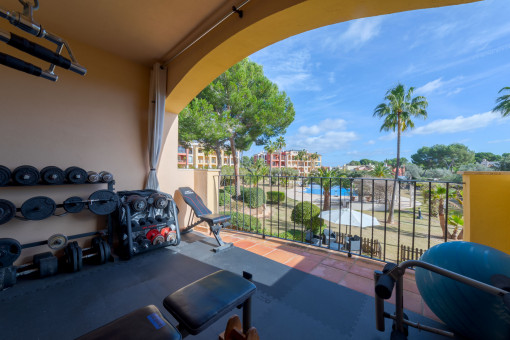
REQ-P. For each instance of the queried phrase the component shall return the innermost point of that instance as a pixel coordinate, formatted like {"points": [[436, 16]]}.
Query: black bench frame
{"points": [[215, 221]]}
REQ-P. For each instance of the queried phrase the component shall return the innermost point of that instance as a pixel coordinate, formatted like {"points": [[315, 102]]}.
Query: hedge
{"points": [[224, 198], [254, 197], [307, 214], [275, 196], [243, 221]]}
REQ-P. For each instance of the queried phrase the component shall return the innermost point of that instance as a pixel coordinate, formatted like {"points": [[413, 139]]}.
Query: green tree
{"points": [[413, 171], [354, 163], [393, 162], [480, 156], [438, 195], [503, 103], [397, 113], [380, 171], [326, 178], [366, 161], [270, 148], [439, 156], [245, 106]]}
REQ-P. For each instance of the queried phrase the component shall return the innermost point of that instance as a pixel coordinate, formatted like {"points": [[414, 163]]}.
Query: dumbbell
{"points": [[74, 254], [93, 177], [141, 243], [158, 201], [137, 203], [155, 237], [169, 233], [105, 177], [44, 264]]}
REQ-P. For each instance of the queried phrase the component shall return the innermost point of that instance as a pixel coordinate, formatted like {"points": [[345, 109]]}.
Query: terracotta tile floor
{"points": [[355, 273]]}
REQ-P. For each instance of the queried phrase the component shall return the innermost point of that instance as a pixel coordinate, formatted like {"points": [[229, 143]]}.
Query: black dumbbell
{"points": [[43, 265], [99, 252], [137, 203], [143, 242], [158, 201]]}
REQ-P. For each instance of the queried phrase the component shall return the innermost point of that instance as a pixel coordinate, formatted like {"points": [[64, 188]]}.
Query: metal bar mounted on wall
{"points": [[25, 22]]}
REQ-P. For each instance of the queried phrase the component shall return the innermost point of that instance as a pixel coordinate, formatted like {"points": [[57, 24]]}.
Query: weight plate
{"points": [[171, 237], [10, 250], [137, 203], [7, 211], [103, 202], [98, 250], [70, 257], [105, 176], [57, 241], [53, 175], [159, 201], [74, 204], [158, 240], [76, 175], [101, 256], [38, 208], [5, 175], [25, 175], [79, 255], [107, 252], [93, 177]]}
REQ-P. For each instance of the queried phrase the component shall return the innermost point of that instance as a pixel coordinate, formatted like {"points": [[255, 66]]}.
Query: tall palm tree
{"points": [[270, 148], [397, 114], [314, 157], [438, 195], [326, 178], [503, 103]]}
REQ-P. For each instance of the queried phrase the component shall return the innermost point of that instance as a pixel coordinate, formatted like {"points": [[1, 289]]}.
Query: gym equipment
{"points": [[57, 241], [38, 208], [480, 316], [10, 250], [73, 204], [195, 306], [215, 221], [103, 202], [25, 22], [155, 237], [483, 308], [234, 331], [76, 175], [5, 175], [52, 175], [158, 201], [43, 264], [7, 211], [25, 175], [105, 177], [137, 203], [93, 177], [169, 234], [99, 252]]}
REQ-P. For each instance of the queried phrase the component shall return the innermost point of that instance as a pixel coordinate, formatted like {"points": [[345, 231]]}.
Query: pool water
{"points": [[335, 191]]}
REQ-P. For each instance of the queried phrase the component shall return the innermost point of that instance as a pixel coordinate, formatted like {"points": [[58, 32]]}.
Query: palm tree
{"points": [[397, 114], [503, 103], [313, 157], [438, 196], [326, 178], [270, 148], [380, 171], [457, 221], [302, 156]]}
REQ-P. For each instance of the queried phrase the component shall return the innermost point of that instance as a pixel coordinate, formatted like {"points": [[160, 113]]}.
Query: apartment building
{"points": [[289, 159], [195, 157]]}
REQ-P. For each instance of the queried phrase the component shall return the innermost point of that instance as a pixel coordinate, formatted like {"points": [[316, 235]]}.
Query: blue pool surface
{"points": [[335, 191]]}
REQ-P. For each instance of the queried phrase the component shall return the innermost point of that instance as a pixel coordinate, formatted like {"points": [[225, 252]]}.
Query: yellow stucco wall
{"points": [[486, 207], [98, 122]]}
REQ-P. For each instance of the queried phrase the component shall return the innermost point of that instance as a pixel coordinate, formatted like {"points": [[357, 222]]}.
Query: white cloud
{"points": [[327, 135], [430, 87], [390, 136], [498, 141], [457, 124], [370, 142], [357, 34]]}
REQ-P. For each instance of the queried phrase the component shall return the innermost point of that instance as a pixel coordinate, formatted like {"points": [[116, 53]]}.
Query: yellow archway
{"points": [[265, 22]]}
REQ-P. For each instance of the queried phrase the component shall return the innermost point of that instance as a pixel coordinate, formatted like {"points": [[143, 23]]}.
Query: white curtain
{"points": [[156, 122]]}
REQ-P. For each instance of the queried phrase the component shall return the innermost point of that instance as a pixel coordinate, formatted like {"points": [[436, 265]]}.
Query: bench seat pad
{"points": [[204, 301], [215, 218], [143, 323]]}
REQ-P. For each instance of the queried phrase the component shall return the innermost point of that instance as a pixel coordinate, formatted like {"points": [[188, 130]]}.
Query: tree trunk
{"points": [[218, 157], [236, 167], [327, 195], [270, 164], [392, 203], [442, 221]]}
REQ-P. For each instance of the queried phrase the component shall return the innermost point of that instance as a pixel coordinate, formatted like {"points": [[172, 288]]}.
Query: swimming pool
{"points": [[335, 191]]}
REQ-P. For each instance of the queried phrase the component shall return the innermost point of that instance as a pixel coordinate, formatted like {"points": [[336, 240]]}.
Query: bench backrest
{"points": [[194, 201]]}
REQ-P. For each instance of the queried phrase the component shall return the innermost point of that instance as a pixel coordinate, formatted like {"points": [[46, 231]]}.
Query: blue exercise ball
{"points": [[466, 310]]}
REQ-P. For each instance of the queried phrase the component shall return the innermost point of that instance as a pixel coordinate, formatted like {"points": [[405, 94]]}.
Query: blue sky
{"points": [[458, 57]]}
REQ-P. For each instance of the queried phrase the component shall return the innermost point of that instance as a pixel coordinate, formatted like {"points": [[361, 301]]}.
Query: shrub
{"points": [[231, 190], [254, 197], [275, 196], [224, 198], [243, 221], [307, 214]]}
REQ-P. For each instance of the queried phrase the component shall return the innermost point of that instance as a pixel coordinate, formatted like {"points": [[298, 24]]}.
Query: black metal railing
{"points": [[349, 215]]}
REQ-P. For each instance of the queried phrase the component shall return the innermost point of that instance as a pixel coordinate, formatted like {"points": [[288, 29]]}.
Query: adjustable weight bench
{"points": [[215, 221], [195, 306]]}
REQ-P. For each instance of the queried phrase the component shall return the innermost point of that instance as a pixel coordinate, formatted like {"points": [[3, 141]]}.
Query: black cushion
{"points": [[204, 301], [215, 218], [143, 323]]}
